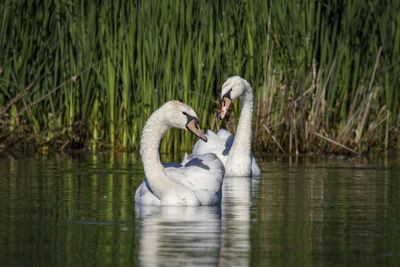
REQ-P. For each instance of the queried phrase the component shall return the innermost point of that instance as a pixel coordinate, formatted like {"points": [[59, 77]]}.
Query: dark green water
{"points": [[79, 210]]}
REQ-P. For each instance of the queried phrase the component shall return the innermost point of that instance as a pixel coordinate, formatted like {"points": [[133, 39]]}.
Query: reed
{"points": [[91, 73]]}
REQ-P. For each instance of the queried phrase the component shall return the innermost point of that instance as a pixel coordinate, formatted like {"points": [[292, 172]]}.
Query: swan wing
{"points": [[225, 134], [144, 195], [203, 174], [186, 159], [219, 144]]}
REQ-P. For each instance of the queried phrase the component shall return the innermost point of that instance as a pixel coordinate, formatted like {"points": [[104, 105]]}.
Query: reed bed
{"points": [[89, 73]]}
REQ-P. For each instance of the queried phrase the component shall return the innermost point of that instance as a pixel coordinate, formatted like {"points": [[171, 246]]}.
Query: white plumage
{"points": [[196, 182], [234, 151]]}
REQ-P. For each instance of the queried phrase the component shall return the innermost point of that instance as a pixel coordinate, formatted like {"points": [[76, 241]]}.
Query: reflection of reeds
{"points": [[316, 70], [76, 207]]}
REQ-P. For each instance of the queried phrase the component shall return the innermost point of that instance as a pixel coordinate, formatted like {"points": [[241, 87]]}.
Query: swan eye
{"points": [[190, 117], [227, 95]]}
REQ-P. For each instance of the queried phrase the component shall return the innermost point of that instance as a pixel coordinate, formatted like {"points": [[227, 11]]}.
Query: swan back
{"points": [[204, 174], [219, 144]]}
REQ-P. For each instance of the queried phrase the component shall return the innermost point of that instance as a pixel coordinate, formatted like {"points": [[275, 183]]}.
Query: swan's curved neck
{"points": [[242, 143], [155, 173]]}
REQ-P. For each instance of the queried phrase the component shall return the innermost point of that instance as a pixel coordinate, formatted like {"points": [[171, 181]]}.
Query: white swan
{"points": [[234, 152], [196, 183]]}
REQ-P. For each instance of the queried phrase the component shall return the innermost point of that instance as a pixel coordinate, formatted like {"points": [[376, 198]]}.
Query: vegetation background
{"points": [[89, 73]]}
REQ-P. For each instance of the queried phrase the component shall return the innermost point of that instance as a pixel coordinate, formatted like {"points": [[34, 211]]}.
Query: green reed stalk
{"points": [[309, 64]]}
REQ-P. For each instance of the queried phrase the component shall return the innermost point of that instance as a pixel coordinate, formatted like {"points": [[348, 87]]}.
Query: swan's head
{"points": [[232, 88], [182, 116]]}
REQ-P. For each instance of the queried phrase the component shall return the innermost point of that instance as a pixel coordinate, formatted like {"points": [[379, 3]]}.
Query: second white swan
{"points": [[234, 151]]}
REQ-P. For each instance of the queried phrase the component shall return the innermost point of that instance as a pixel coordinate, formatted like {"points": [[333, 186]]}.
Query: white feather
{"points": [[234, 152], [196, 182]]}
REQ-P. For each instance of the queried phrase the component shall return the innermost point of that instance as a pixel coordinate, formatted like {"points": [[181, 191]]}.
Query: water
{"points": [[79, 210]]}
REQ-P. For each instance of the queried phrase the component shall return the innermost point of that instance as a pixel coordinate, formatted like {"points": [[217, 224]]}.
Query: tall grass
{"points": [[324, 74], [331, 65]]}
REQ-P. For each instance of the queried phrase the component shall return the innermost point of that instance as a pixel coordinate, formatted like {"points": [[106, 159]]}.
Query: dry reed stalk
{"points": [[345, 128], [290, 119], [267, 77], [336, 143], [17, 98], [371, 96], [73, 78], [273, 138], [380, 118]]}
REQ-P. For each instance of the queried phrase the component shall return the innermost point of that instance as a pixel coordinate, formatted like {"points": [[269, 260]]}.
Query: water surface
{"points": [[79, 210]]}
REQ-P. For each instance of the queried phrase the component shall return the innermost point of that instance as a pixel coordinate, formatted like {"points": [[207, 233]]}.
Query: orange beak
{"points": [[226, 102], [193, 127]]}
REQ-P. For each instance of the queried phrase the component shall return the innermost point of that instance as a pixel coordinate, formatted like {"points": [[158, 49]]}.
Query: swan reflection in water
{"points": [[176, 236], [236, 220], [205, 235]]}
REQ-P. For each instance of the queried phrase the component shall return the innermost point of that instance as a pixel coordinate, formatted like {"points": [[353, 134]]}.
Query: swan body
{"points": [[197, 182], [220, 144], [234, 152]]}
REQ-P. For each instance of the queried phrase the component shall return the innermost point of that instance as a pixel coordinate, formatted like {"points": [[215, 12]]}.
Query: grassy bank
{"points": [[76, 74]]}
